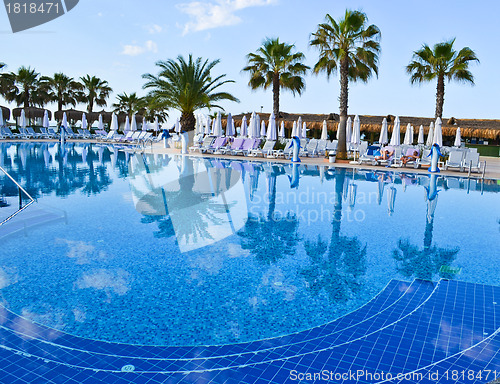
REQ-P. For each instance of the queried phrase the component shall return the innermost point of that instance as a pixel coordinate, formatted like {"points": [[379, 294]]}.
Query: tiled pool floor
{"points": [[433, 332]]}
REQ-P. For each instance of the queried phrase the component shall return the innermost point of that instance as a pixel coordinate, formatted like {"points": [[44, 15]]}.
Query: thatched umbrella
{"points": [[30, 113], [5, 113], [71, 114], [93, 116]]}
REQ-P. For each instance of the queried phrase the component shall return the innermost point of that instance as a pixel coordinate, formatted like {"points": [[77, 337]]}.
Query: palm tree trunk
{"points": [[344, 96], [276, 94], [439, 97], [188, 121], [26, 97]]}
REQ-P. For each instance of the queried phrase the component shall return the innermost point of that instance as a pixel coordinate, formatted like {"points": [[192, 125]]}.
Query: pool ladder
{"points": [[21, 190]]}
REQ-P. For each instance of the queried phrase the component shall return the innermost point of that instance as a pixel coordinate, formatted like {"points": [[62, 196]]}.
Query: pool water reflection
{"points": [[179, 250]]}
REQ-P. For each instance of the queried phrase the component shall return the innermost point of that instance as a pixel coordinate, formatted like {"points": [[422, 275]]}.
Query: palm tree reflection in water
{"points": [[189, 207], [426, 262], [336, 268], [269, 237]]}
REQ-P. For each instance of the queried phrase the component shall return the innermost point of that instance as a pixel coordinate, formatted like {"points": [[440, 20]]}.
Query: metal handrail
{"points": [[15, 182], [21, 208]]}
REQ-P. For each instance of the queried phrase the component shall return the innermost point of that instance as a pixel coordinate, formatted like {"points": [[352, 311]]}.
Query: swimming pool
{"points": [[171, 250]]}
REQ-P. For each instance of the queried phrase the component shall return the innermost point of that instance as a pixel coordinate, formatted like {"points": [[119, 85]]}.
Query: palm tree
{"points": [[274, 64], [187, 86], [351, 47], [62, 89], [154, 109], [441, 62], [22, 87], [129, 104], [95, 91]]}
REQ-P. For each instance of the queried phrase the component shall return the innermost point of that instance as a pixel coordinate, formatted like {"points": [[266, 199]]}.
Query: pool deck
{"points": [[492, 163]]}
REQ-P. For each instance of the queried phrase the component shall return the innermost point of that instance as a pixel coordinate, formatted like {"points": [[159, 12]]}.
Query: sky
{"points": [[119, 40]]}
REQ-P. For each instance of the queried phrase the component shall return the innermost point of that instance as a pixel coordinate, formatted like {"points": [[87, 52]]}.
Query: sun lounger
{"points": [[266, 150], [216, 145], [136, 136], [109, 136], [409, 152], [455, 160], [100, 134], [392, 160], [471, 162], [245, 147], [425, 158], [332, 146], [33, 134], [53, 133], [83, 134], [71, 134], [321, 148], [308, 148], [4, 134], [236, 145], [368, 156], [7, 132], [24, 134], [281, 152], [248, 146], [45, 134], [207, 141], [145, 137]]}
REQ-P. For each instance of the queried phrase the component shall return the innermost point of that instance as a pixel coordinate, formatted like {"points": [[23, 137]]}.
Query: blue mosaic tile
{"points": [[446, 327]]}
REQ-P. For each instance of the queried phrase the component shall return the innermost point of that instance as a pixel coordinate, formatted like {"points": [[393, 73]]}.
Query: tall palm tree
{"points": [[441, 62], [129, 104], [187, 86], [96, 91], [62, 89], [350, 46], [275, 64], [22, 87]]}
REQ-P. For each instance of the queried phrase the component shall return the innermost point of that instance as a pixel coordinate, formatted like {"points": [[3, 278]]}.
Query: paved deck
{"points": [[492, 163]]}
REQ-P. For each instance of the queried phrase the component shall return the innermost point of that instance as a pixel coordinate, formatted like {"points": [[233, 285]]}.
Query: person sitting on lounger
{"points": [[411, 156], [385, 154]]}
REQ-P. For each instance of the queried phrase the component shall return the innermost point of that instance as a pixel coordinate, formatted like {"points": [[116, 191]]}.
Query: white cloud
{"points": [[217, 13], [154, 29], [135, 50]]}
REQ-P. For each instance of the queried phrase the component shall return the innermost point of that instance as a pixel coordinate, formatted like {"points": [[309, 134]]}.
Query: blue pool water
{"points": [[192, 251]]}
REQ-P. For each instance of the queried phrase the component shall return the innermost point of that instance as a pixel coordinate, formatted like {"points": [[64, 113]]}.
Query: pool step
{"points": [[385, 299], [30, 218]]}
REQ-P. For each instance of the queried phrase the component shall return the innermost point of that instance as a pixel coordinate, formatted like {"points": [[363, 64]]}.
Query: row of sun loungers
{"points": [[251, 147], [403, 156], [458, 158], [136, 137]]}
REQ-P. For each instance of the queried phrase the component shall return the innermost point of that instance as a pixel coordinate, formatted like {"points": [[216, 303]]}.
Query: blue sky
{"points": [[119, 40]]}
